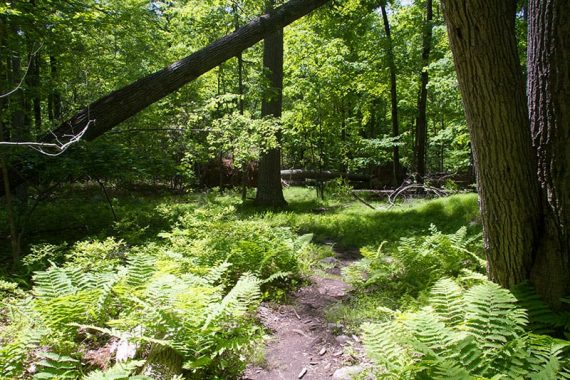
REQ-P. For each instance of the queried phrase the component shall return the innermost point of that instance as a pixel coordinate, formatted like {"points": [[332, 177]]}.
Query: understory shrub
{"points": [[417, 262], [174, 322], [205, 238], [181, 306], [475, 333]]}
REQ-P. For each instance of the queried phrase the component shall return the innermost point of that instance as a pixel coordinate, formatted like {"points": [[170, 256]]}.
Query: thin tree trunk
{"points": [[482, 38], [54, 99], [14, 238], [269, 189], [421, 121], [37, 94], [241, 104], [549, 110], [396, 169]]}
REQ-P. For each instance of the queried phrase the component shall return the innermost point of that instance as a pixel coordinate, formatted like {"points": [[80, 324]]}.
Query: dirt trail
{"points": [[303, 344]]}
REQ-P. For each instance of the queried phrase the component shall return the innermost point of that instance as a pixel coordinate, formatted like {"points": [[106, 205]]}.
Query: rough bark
{"points": [[120, 105], [269, 189], [421, 120], [397, 171], [549, 110], [482, 38]]}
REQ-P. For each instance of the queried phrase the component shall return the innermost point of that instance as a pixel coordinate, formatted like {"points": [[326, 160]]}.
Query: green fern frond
{"points": [[241, 298], [105, 283], [52, 283], [120, 371], [276, 276], [54, 366], [447, 300], [140, 269], [217, 273], [382, 344], [542, 318], [429, 334], [549, 356], [492, 316], [471, 276], [448, 369], [14, 354], [463, 349]]}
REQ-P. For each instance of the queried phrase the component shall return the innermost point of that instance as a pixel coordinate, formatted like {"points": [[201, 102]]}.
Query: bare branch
{"points": [[58, 147], [19, 86]]}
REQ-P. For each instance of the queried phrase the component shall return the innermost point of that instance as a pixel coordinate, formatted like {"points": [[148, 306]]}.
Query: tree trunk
{"points": [[421, 121], [482, 38], [54, 98], [269, 189], [549, 110], [397, 171], [121, 104], [37, 93]]}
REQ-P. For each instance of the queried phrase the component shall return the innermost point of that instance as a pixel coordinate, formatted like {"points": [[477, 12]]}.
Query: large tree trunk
{"points": [[482, 38], [397, 171], [549, 110], [269, 189], [119, 105], [421, 120]]}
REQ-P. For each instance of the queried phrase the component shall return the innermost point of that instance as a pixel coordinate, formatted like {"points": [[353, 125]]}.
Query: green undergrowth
{"points": [[469, 328], [175, 282]]}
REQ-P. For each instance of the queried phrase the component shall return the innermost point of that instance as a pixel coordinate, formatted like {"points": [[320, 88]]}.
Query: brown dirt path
{"points": [[303, 344]]}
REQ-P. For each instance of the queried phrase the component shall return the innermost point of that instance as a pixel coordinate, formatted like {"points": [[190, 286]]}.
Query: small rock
{"points": [[342, 339], [347, 373], [355, 338], [329, 261], [323, 351]]}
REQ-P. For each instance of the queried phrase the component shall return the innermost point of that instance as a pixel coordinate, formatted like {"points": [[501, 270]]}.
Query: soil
{"points": [[303, 345]]}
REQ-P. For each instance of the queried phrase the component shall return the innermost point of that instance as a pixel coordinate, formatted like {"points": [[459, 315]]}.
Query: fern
{"points": [[383, 344], [492, 316], [446, 299], [542, 318], [140, 269], [120, 371], [54, 366], [462, 335], [417, 263], [244, 295], [53, 283]]}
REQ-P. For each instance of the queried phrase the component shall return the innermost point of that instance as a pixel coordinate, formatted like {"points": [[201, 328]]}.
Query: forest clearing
{"points": [[284, 189]]}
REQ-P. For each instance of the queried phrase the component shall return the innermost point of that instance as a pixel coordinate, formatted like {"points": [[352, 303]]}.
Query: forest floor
{"points": [[303, 345]]}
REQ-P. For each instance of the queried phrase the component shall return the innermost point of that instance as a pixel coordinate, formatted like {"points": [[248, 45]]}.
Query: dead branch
{"points": [[405, 187], [57, 147], [19, 86]]}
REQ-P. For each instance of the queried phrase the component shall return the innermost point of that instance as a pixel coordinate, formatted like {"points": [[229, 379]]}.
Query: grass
{"points": [[196, 231], [82, 213], [354, 225]]}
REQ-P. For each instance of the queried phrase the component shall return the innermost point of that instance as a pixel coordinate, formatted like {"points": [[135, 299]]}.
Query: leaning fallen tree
{"points": [[116, 107]]}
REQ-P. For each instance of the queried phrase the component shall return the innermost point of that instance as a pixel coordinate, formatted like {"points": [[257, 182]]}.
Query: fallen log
{"points": [[301, 174]]}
